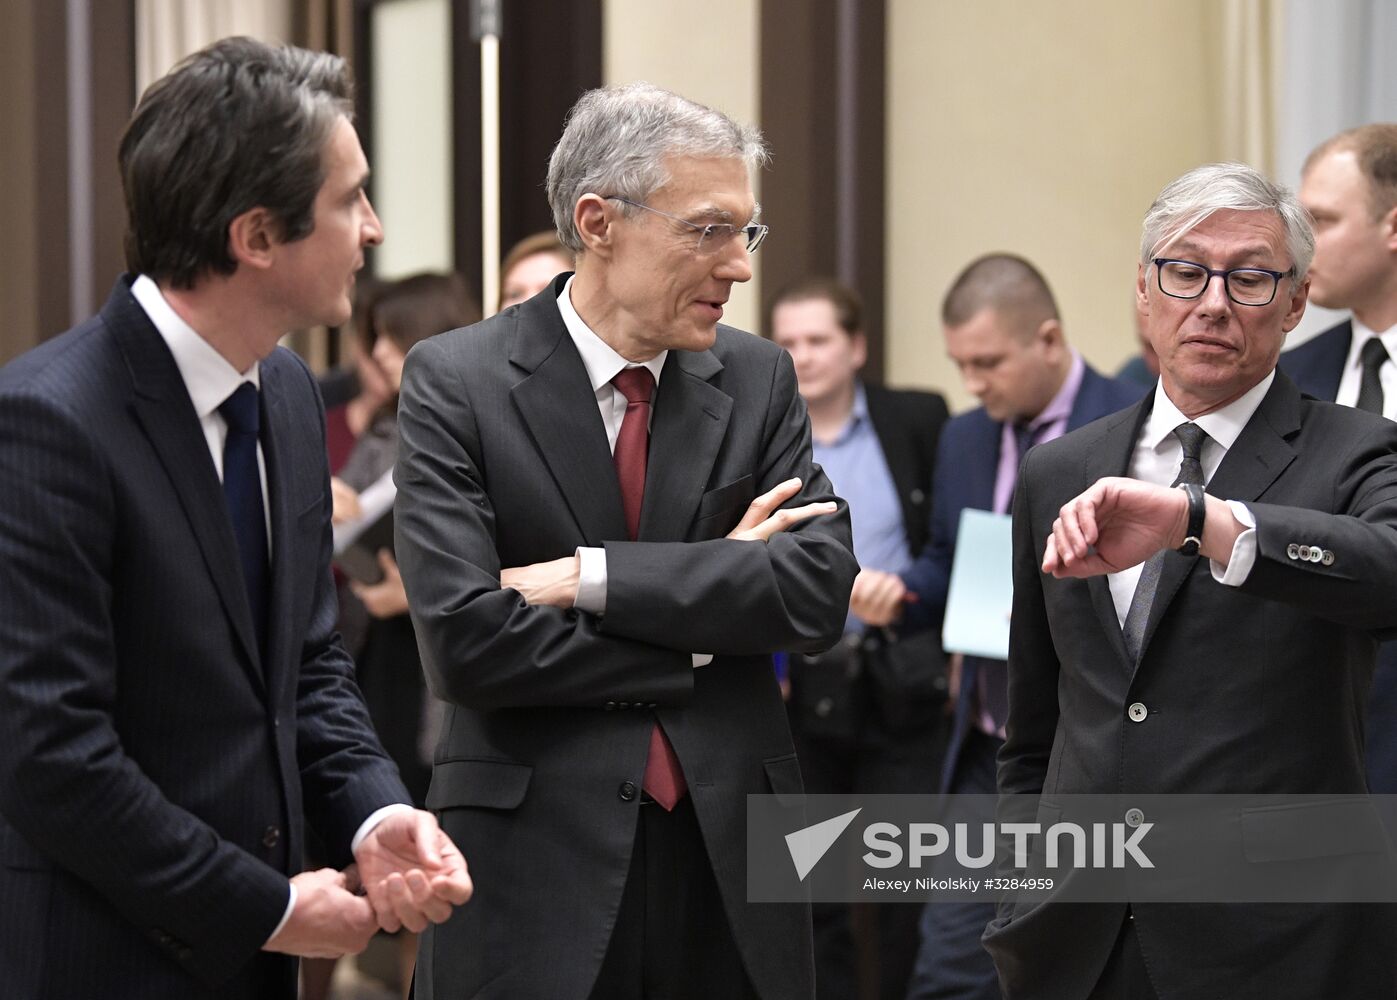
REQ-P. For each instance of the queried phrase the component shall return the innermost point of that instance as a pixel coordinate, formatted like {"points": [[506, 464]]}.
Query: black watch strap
{"points": [[1197, 511]]}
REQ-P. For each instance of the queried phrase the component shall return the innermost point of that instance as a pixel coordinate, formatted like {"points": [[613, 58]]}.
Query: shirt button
{"points": [[271, 837], [626, 791], [1137, 712], [1134, 817]]}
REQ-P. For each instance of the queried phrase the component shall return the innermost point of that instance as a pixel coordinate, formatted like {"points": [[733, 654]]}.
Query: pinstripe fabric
{"points": [[153, 768]]}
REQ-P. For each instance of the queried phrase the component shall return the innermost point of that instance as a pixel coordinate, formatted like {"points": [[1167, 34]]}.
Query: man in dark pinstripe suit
{"points": [[174, 699]]}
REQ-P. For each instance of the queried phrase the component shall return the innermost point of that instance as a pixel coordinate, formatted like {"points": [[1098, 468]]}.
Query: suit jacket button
{"points": [[917, 496], [1137, 712], [1316, 553], [1292, 551], [1304, 553], [626, 791], [623, 705], [1327, 558], [610, 706], [271, 837]]}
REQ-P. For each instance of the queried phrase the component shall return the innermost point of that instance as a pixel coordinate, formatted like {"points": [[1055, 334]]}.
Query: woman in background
{"points": [[530, 265]]}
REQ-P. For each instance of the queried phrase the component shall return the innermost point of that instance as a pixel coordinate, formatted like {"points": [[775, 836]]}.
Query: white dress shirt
{"points": [[1352, 377], [1156, 460], [603, 364], [210, 379]]}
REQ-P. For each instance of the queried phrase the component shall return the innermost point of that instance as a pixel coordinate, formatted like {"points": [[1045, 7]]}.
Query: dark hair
{"points": [[848, 305], [1004, 282], [238, 125], [1375, 148], [417, 307]]}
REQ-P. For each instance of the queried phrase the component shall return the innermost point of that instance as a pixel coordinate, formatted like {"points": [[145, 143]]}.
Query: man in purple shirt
{"points": [[1003, 332]]}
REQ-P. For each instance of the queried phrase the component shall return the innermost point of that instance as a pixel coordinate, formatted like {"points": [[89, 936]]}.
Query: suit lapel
{"points": [[556, 401], [1258, 456], [276, 438], [687, 428], [164, 411], [1109, 455]]}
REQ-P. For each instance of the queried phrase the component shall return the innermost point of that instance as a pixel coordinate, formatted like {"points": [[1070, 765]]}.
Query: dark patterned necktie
{"points": [[1191, 436], [242, 488], [1371, 358], [664, 778]]}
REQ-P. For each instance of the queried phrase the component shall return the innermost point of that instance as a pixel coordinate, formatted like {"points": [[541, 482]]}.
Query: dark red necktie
{"points": [[664, 779]]}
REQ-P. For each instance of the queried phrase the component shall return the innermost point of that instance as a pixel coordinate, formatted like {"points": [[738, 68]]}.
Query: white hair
{"points": [[616, 141], [1187, 201]]}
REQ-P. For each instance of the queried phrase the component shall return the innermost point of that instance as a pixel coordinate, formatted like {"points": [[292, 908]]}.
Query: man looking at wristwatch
{"points": [[1243, 672]]}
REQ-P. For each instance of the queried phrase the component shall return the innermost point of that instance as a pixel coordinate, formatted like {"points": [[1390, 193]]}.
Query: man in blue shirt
{"points": [[858, 728]]}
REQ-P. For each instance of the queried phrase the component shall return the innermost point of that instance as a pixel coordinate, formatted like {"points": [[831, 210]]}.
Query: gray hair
{"points": [[1187, 201], [616, 141]]}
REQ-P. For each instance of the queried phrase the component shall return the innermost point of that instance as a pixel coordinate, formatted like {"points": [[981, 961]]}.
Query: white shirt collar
{"points": [[601, 361], [1223, 425], [1362, 334], [207, 375]]}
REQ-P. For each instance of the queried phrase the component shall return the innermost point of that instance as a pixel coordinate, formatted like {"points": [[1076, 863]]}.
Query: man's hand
{"points": [[327, 921], [344, 501], [879, 597], [763, 520], [553, 583], [411, 871], [387, 598], [1115, 524]]}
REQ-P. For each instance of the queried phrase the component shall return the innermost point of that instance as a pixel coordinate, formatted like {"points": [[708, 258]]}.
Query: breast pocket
{"points": [[720, 509]]}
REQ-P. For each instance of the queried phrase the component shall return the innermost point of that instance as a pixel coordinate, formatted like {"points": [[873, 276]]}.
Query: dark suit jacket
{"points": [[1317, 366], [504, 462], [1251, 690], [154, 769], [965, 474]]}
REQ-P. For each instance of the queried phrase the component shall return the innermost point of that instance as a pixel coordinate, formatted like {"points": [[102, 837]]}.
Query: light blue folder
{"points": [[982, 587]]}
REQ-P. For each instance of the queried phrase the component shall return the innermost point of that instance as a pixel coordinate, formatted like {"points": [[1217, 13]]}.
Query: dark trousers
{"points": [[951, 963], [1125, 976], [672, 940], [876, 763]]}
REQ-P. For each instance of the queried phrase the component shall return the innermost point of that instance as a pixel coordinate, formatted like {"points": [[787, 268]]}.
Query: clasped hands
{"points": [[554, 582], [1118, 523], [407, 873]]}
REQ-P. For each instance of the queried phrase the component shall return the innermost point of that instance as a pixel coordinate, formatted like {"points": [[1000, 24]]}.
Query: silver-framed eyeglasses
{"points": [[1246, 286], [711, 237]]}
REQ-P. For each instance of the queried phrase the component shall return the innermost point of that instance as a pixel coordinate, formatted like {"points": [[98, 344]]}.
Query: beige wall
{"points": [[707, 52], [1042, 129]]}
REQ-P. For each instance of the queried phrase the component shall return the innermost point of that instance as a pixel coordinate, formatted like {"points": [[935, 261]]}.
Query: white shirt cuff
{"points": [[376, 817], [591, 580], [290, 905], [1238, 567], [702, 659]]}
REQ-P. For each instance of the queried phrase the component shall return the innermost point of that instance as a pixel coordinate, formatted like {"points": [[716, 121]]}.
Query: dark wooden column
{"points": [[549, 54], [69, 88], [823, 114]]}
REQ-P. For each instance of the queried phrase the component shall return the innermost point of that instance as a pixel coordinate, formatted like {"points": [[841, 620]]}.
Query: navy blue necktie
{"points": [[242, 487]]}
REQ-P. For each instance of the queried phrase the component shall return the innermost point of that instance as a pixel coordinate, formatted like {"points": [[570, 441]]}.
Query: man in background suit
{"points": [[1004, 333], [1349, 187], [1135, 666], [598, 594], [174, 693], [858, 728]]}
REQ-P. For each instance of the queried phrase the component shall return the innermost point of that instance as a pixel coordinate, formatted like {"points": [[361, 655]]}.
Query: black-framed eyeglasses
{"points": [[1246, 286], [712, 237]]}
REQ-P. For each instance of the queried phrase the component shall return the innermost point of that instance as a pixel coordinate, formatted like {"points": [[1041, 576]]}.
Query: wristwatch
{"points": [[1197, 511]]}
